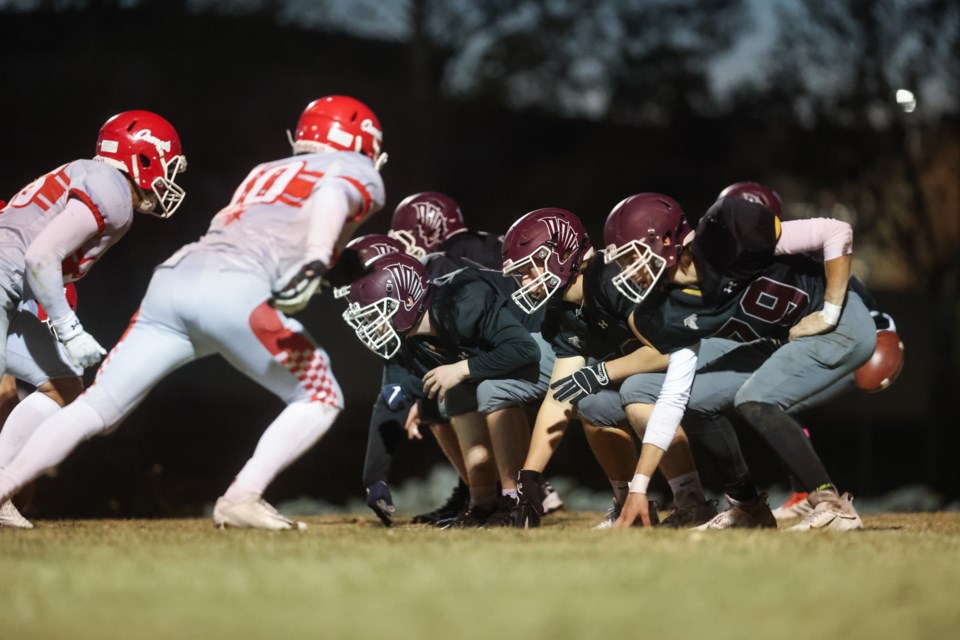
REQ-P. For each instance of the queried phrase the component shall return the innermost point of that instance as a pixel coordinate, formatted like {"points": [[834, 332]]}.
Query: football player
{"points": [[431, 227], [263, 257], [549, 253], [889, 350], [52, 232], [753, 284], [459, 336]]}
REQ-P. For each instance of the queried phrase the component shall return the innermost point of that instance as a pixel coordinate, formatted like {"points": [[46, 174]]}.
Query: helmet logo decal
{"points": [[431, 225], [407, 280], [565, 235], [147, 135], [367, 126]]}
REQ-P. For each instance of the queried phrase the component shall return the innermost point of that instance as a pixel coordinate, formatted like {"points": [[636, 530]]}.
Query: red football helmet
{"points": [[543, 251], [388, 302], [147, 148], [341, 123], [424, 220], [645, 235], [755, 192]]}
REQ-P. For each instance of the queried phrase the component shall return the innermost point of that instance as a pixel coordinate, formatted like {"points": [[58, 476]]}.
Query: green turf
{"points": [[346, 578]]}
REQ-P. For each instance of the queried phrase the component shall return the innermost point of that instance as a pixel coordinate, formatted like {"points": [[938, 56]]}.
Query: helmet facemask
{"points": [[540, 280], [165, 194], [409, 243], [641, 269], [373, 327]]}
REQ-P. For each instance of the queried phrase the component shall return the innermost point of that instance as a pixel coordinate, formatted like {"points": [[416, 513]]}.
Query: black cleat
{"points": [[505, 514], [473, 517], [445, 513], [530, 499], [380, 500]]}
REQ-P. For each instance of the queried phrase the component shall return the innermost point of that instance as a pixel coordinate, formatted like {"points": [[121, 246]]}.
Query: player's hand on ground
{"points": [[84, 350], [438, 381], [582, 383], [635, 509], [295, 295], [812, 325]]}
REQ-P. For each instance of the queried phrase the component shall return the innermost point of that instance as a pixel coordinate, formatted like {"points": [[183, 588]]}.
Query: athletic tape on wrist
{"points": [[639, 483], [831, 313]]}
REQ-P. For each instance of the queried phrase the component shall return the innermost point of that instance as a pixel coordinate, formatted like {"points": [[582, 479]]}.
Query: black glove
{"points": [[297, 292], [348, 269], [582, 383]]}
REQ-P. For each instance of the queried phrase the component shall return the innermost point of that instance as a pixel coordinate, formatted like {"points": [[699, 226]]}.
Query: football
{"points": [[884, 365]]}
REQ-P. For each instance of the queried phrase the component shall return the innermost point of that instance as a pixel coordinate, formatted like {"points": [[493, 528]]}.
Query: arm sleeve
{"points": [[329, 208], [833, 237], [64, 235], [672, 401]]}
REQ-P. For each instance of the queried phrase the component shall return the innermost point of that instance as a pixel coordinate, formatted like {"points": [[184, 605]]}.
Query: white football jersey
{"points": [[101, 187], [265, 225]]}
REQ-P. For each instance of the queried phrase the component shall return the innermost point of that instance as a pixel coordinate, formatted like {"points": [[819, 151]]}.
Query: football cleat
{"points": [[458, 501], [505, 514], [830, 512], [11, 517], [796, 506], [253, 513], [380, 500], [530, 496], [689, 510], [551, 499], [611, 516], [473, 517], [750, 514]]}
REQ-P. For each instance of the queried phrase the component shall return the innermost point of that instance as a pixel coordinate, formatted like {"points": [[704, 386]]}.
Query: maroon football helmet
{"points": [[755, 192], [424, 220], [543, 251], [645, 235], [374, 245], [388, 302]]}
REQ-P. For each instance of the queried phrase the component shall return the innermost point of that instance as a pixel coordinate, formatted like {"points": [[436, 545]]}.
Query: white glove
{"points": [[84, 350], [82, 347]]}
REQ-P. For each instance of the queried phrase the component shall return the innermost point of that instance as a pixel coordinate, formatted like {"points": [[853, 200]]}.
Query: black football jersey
{"points": [[479, 247], [472, 320], [745, 293], [597, 328]]}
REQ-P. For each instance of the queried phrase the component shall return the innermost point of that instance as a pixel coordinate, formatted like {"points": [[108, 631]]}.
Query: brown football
{"points": [[884, 365]]}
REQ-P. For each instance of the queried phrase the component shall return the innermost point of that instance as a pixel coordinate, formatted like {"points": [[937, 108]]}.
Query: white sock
{"points": [[688, 482], [512, 493], [296, 429], [50, 444], [620, 490], [22, 422]]}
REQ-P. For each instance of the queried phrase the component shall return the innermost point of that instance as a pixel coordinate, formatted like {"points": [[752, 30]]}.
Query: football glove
{"points": [[581, 383], [297, 292], [82, 348], [315, 276]]}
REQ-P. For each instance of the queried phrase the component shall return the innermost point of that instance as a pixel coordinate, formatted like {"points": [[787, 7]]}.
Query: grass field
{"points": [[348, 578]]}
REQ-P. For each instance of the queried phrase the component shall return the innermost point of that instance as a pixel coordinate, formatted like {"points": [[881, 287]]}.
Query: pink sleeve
{"points": [[833, 237]]}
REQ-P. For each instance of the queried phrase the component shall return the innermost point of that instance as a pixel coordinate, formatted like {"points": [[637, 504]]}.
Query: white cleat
{"points": [[610, 516], [551, 499], [831, 512], [796, 506], [253, 513], [11, 517], [752, 514]]}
